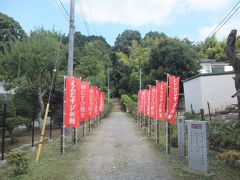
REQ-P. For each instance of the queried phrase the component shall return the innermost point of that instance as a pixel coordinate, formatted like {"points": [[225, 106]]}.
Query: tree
{"points": [[231, 50], [132, 63], [30, 63], [10, 31], [172, 56], [92, 63]]}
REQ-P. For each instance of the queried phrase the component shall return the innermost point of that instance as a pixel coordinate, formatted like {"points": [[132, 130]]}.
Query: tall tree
{"points": [[30, 64], [10, 31], [172, 56]]}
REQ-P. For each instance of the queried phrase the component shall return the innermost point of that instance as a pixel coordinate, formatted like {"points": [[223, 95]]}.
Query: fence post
{"points": [[209, 111], [202, 114]]}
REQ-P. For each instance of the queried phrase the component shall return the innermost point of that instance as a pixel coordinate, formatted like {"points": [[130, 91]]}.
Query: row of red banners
{"points": [[152, 102], [81, 102]]}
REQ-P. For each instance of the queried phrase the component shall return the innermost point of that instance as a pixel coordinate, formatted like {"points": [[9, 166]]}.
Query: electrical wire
{"points": [[54, 70], [90, 11], [222, 23], [63, 12], [84, 21], [223, 20]]}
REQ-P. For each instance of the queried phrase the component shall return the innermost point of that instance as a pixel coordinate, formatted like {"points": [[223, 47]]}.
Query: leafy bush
{"points": [[189, 116], [128, 104], [107, 109], [229, 157], [224, 135], [18, 162]]}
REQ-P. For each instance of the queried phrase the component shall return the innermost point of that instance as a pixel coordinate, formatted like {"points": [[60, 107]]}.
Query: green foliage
{"points": [[189, 116], [128, 104], [93, 62], [172, 56], [107, 109], [224, 135], [13, 122], [10, 31], [229, 157], [18, 162]]}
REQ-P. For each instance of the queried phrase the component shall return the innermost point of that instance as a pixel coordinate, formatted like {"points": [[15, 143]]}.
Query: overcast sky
{"points": [[194, 19]]}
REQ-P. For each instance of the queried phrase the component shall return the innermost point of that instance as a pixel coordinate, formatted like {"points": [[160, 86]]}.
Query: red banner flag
{"points": [[101, 105], [147, 103], [142, 101], [91, 102], [161, 100], [152, 91], [84, 99], [97, 99], [72, 102], [172, 98]]}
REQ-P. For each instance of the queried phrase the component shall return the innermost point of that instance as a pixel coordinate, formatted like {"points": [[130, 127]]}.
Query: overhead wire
{"points": [[85, 21], [90, 12], [66, 15], [223, 22]]}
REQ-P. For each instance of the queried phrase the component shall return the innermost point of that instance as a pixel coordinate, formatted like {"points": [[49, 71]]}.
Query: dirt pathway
{"points": [[116, 151]]}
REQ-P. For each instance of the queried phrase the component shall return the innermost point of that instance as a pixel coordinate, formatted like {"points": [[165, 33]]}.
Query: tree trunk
{"points": [[230, 51], [41, 104]]}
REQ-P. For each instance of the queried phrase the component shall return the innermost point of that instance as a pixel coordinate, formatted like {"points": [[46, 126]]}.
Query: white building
{"points": [[211, 66], [215, 88], [3, 91]]}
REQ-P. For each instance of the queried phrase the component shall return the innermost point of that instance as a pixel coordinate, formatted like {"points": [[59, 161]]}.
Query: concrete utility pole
{"points": [[71, 40], [70, 52]]}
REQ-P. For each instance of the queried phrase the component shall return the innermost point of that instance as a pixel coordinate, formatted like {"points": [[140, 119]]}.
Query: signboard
{"points": [[197, 146]]}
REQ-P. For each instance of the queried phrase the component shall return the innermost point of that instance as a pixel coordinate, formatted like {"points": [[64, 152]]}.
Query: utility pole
{"points": [[70, 52], [108, 86]]}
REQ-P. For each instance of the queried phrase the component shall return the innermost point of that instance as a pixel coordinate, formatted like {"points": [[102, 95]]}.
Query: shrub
{"points": [[18, 162], [107, 109], [229, 157], [128, 103], [224, 135], [189, 116]]}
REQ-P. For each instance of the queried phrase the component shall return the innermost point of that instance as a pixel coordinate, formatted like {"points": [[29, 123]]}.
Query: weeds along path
{"points": [[116, 150]]}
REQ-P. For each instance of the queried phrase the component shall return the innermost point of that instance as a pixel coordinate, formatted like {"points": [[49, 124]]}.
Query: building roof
{"points": [[207, 74], [212, 61]]}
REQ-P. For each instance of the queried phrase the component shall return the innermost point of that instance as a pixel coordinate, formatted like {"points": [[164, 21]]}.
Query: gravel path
{"points": [[116, 151]]}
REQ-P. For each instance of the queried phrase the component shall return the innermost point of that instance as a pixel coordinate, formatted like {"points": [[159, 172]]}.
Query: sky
{"points": [[192, 19]]}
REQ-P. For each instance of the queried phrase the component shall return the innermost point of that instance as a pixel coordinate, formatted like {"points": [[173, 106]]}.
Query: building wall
{"points": [[215, 89], [192, 94]]}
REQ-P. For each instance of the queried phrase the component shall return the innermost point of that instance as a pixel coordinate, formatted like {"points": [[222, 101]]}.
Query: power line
{"points": [[90, 11], [64, 8], [223, 20], [222, 23], [63, 12], [84, 21]]}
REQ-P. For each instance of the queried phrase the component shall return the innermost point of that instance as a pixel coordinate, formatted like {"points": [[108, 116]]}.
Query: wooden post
{"points": [[192, 109], [209, 111], [89, 124], [157, 138], [3, 128], [33, 132], [83, 127], [202, 114], [168, 137]]}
